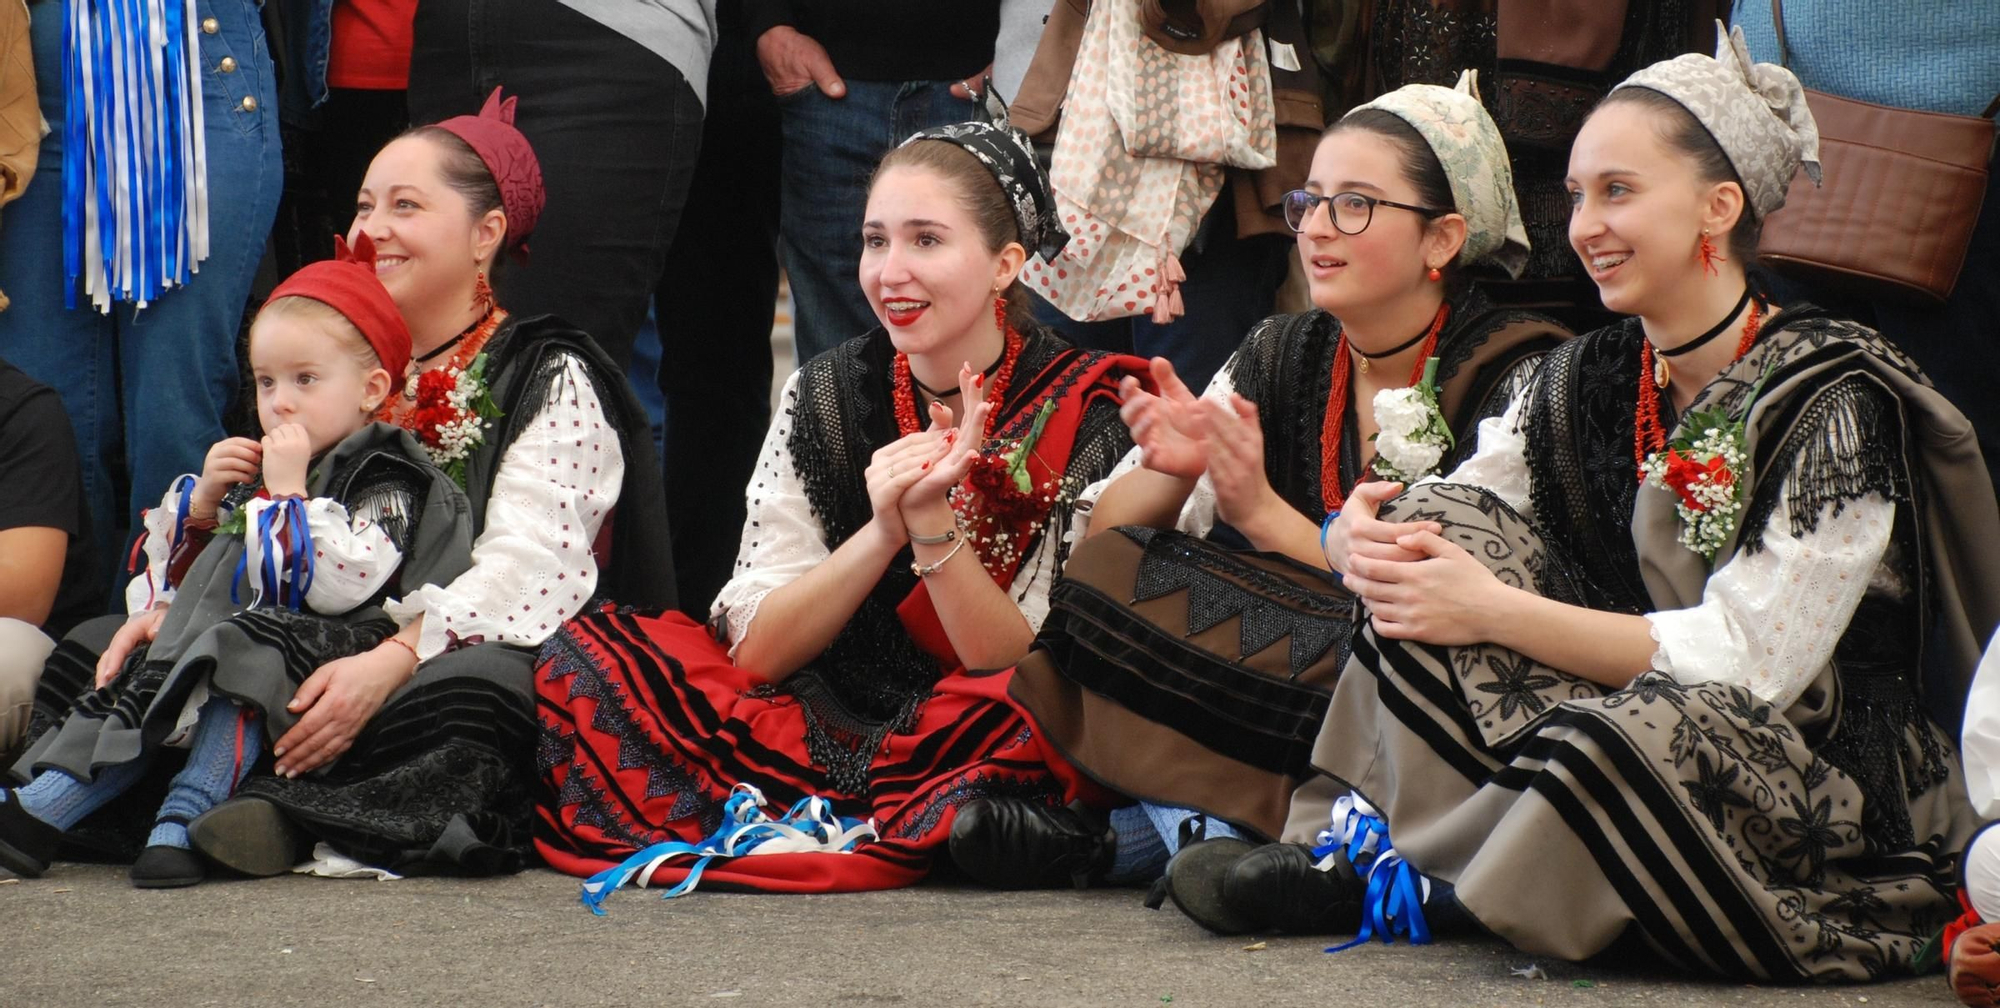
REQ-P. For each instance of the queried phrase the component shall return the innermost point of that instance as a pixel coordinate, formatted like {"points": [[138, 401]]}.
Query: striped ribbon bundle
{"points": [[748, 827], [278, 555], [1393, 900], [135, 165]]}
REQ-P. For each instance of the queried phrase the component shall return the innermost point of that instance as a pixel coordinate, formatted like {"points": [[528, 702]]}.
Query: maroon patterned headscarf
{"points": [[512, 162]]}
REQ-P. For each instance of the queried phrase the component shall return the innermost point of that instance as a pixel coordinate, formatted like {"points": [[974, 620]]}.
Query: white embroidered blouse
{"points": [[532, 566], [352, 554]]}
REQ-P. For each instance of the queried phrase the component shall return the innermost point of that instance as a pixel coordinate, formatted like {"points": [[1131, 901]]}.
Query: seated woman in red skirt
{"points": [[886, 565]]}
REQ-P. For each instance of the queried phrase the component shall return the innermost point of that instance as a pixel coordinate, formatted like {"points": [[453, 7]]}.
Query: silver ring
{"points": [[892, 470]]}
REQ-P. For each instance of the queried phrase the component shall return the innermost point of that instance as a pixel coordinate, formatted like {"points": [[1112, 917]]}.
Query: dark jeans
{"points": [[324, 166], [616, 129], [715, 309], [831, 148], [146, 390], [1232, 284]]}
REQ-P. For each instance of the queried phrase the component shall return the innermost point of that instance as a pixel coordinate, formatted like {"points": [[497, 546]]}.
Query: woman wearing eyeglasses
{"points": [[1191, 651]]}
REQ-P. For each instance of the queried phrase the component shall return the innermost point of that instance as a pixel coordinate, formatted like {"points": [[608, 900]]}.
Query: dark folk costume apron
{"points": [[1813, 842], [647, 726], [1160, 670]]}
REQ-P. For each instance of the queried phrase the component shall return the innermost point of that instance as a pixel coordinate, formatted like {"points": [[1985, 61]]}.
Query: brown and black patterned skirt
{"points": [[1183, 673]]}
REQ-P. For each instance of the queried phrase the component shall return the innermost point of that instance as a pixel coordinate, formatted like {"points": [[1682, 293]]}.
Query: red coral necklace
{"points": [[470, 344], [1647, 434], [907, 422], [1336, 408]]}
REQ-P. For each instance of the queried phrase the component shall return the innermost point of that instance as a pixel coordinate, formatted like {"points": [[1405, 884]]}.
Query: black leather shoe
{"points": [[164, 867], [1194, 880], [27, 844], [1008, 843], [1279, 885], [247, 834]]}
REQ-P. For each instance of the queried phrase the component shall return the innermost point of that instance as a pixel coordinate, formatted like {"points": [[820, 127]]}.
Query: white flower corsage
{"points": [[1413, 436]]}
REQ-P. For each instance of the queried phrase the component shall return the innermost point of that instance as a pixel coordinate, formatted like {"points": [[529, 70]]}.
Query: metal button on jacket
{"points": [[249, 103], [210, 26], [228, 64]]}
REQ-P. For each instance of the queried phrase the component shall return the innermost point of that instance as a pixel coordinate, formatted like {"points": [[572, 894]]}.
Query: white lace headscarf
{"points": [[1755, 111]]}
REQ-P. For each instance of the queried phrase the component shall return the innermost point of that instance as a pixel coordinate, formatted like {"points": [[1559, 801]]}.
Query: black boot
{"points": [[1280, 885], [1009, 843], [163, 867], [247, 834], [1194, 881], [27, 844]]}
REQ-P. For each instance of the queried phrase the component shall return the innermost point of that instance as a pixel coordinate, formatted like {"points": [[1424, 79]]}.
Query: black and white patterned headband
{"points": [[1006, 152]]}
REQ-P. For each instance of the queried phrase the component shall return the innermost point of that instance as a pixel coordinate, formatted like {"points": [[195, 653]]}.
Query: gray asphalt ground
{"points": [[83, 937]]}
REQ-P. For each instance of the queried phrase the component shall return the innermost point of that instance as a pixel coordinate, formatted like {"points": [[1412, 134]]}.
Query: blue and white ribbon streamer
{"points": [[1393, 900], [278, 548], [184, 487], [747, 828], [135, 161]]}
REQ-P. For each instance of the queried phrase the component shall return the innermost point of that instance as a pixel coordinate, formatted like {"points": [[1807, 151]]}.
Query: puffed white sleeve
{"points": [[782, 538], [1980, 738], [163, 533], [353, 555], [1500, 463], [1197, 515], [532, 566], [1769, 620]]}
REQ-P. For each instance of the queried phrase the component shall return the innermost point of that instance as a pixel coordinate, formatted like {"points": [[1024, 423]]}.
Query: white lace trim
{"points": [[1500, 464]]}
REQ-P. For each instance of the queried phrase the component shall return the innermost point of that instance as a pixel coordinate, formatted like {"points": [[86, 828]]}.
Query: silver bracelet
{"points": [[926, 570], [936, 540]]}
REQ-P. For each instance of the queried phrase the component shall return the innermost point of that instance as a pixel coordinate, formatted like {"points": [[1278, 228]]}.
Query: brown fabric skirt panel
{"points": [[1184, 674]]}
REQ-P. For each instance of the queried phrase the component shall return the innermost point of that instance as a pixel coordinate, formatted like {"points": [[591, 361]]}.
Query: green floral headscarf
{"points": [[1468, 145]]}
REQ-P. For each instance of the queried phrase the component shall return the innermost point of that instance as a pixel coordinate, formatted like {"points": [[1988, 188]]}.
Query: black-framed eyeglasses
{"points": [[1352, 211]]}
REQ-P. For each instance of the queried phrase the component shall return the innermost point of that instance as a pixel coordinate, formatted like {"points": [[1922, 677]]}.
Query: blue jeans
{"points": [[1232, 284], [146, 390], [831, 148]]}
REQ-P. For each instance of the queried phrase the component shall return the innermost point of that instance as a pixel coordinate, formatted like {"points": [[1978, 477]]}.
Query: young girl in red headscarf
{"points": [[269, 563]]}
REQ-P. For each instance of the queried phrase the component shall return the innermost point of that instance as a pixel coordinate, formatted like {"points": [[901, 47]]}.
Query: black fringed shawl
{"points": [[1842, 414]]}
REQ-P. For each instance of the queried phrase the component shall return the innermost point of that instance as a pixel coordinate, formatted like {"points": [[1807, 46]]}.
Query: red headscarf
{"points": [[347, 283], [511, 161]]}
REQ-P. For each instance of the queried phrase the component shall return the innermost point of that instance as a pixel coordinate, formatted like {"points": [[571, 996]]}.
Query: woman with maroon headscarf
{"points": [[416, 755]]}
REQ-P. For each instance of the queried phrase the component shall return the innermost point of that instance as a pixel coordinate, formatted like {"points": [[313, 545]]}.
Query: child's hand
{"points": [[138, 631], [230, 462], [287, 450]]}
